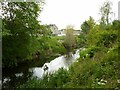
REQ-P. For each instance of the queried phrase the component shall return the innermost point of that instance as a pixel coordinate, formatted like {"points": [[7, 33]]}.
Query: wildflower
{"points": [[102, 80], [118, 81], [105, 81], [101, 83]]}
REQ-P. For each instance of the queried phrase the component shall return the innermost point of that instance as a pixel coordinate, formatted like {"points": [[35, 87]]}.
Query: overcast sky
{"points": [[73, 12]]}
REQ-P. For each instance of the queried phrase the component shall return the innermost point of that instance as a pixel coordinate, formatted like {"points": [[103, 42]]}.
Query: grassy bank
{"points": [[97, 67]]}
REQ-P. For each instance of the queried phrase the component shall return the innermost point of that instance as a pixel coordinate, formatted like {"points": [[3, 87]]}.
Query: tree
{"points": [[116, 25], [91, 22], [87, 25], [105, 12], [69, 39], [20, 26]]}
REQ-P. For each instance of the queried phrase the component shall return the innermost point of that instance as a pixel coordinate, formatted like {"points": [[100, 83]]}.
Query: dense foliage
{"points": [[23, 37], [19, 30], [97, 67]]}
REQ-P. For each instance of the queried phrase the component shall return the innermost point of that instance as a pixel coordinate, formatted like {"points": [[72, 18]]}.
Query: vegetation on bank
{"points": [[23, 36], [98, 65], [99, 69]]}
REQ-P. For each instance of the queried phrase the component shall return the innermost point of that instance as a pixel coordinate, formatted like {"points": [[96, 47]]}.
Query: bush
{"points": [[89, 52], [57, 79], [107, 38], [101, 38]]}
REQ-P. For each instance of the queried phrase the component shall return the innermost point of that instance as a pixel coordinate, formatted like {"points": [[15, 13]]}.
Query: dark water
{"points": [[16, 76], [12, 77]]}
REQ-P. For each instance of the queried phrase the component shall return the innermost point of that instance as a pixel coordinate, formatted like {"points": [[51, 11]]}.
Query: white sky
{"points": [[73, 12]]}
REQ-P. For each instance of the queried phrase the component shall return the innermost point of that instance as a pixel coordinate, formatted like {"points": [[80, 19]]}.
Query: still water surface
{"points": [[17, 76], [55, 64]]}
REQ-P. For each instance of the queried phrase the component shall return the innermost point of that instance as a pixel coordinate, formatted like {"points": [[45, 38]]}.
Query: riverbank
{"points": [[97, 67], [34, 68], [88, 73]]}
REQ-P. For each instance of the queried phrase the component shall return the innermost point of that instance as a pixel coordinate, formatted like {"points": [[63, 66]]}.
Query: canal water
{"points": [[54, 65], [21, 74]]}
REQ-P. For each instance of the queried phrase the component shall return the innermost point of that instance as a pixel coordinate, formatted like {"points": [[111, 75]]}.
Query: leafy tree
{"points": [[20, 17], [91, 22], [81, 40], [116, 25], [87, 25], [20, 26], [69, 39]]}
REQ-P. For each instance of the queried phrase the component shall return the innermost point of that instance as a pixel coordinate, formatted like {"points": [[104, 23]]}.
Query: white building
{"points": [[54, 29], [77, 32], [62, 32]]}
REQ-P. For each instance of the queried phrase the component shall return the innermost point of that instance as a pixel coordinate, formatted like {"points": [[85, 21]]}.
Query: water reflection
{"points": [[19, 75], [12, 79], [54, 65]]}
